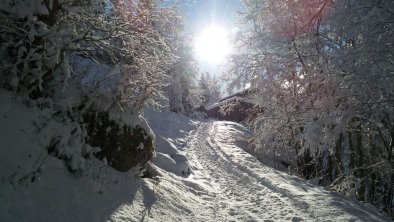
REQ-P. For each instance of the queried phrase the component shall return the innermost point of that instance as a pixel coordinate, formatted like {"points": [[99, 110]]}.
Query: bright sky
{"points": [[213, 23], [213, 45]]}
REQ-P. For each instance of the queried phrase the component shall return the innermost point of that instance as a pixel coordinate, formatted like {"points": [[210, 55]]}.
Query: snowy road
{"points": [[225, 184], [245, 190]]}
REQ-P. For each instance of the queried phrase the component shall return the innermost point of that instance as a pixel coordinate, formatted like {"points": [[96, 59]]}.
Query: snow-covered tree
{"points": [[210, 88], [130, 35], [182, 90], [323, 70], [91, 62]]}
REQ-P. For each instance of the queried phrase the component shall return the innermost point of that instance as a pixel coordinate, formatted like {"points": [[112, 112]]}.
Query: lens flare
{"points": [[213, 45]]}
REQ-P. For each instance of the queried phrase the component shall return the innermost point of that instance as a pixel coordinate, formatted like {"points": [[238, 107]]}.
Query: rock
{"points": [[123, 146]]}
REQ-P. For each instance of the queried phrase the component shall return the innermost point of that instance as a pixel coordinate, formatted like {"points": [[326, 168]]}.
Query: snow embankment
{"points": [[35, 186]]}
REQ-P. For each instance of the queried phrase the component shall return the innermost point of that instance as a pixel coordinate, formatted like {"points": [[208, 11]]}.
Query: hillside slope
{"points": [[199, 173]]}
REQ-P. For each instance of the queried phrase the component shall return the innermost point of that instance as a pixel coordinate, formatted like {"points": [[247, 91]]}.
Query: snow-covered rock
{"points": [[123, 145]]}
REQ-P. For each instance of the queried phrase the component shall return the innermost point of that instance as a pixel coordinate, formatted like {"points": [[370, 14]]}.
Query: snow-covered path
{"points": [[240, 196], [246, 190], [225, 182]]}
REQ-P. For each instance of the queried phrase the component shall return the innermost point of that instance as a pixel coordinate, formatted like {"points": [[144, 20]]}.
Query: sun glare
{"points": [[212, 45]]}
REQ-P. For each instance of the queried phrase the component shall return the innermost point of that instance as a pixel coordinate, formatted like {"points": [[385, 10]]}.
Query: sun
{"points": [[213, 45]]}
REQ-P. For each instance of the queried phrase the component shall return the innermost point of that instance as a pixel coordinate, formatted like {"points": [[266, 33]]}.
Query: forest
{"points": [[322, 72]]}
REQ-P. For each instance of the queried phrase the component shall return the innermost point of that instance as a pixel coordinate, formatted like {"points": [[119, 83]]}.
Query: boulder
{"points": [[123, 146]]}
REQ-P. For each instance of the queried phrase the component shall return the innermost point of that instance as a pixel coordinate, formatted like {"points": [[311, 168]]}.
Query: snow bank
{"points": [[35, 186], [173, 130]]}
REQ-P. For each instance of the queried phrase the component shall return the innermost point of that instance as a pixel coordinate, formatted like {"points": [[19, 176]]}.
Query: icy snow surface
{"points": [[200, 173]]}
